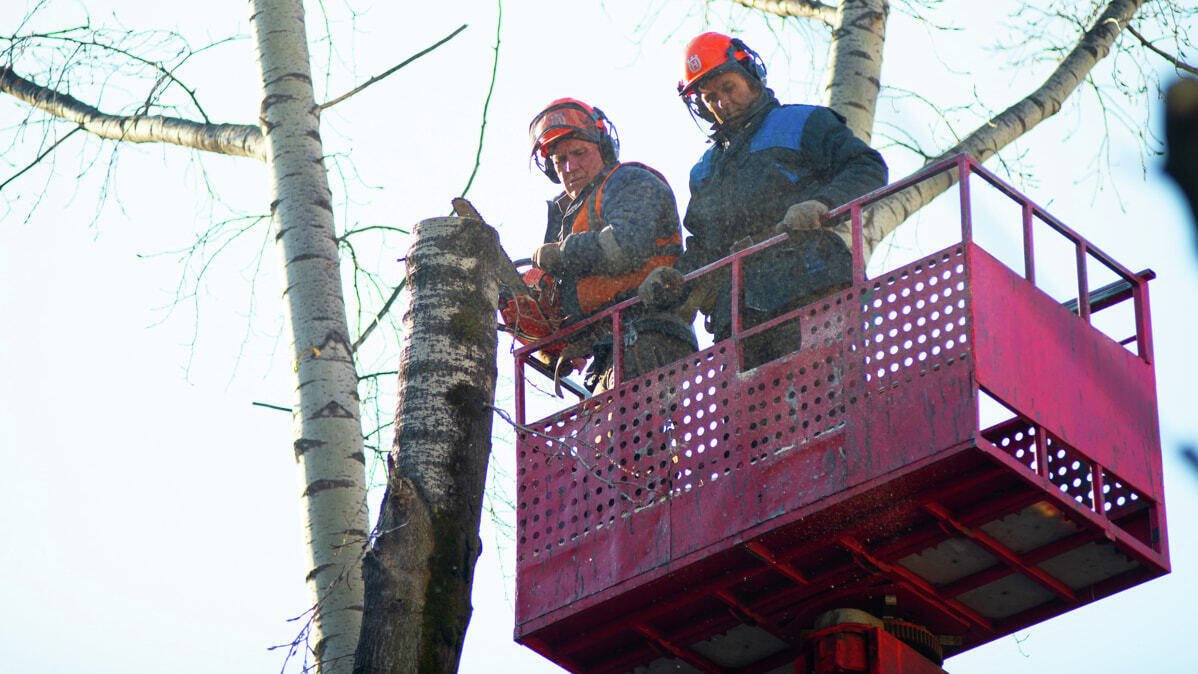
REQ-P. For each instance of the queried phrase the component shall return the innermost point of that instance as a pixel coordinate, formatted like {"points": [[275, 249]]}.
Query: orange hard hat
{"points": [[567, 117], [710, 53]]}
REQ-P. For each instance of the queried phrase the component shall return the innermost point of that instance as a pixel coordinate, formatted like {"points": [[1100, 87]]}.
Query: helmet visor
{"points": [[557, 122]]}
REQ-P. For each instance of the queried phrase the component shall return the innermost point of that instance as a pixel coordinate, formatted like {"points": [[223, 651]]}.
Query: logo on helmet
{"points": [[693, 64], [556, 119]]}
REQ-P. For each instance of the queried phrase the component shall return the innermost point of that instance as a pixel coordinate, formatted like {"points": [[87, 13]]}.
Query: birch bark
{"points": [[328, 445], [420, 568], [854, 74], [238, 140], [804, 9]]}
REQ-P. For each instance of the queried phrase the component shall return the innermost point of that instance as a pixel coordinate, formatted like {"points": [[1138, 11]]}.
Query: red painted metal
{"points": [[706, 515], [860, 649]]}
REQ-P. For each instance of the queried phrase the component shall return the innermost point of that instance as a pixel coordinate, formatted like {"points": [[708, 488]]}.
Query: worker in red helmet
{"points": [[771, 168], [613, 224]]}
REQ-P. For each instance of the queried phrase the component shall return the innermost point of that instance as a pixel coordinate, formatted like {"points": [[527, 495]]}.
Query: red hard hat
{"points": [[571, 117], [704, 54], [715, 52]]}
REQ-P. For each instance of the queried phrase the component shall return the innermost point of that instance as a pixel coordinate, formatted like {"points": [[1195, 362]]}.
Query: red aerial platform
{"points": [[703, 518]]}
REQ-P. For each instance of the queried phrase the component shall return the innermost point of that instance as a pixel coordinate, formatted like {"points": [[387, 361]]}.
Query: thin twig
{"points": [[53, 33], [165, 73], [482, 129], [272, 407], [375, 323], [1168, 57], [372, 375], [309, 615], [577, 455], [805, 9], [370, 227], [376, 78], [39, 157]]}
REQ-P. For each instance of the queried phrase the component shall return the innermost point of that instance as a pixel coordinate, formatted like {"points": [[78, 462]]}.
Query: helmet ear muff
{"points": [[748, 59], [609, 138], [596, 128]]}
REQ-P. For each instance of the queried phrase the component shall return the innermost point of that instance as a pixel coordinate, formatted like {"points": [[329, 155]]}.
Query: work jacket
{"points": [[745, 182], [621, 226]]}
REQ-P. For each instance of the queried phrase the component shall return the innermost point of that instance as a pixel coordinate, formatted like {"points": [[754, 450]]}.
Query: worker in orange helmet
{"points": [[771, 168], [612, 225]]}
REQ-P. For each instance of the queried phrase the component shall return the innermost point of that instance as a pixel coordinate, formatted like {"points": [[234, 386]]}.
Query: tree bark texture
{"points": [[854, 75], [803, 9], [239, 140], [420, 568], [328, 445], [1094, 45]]}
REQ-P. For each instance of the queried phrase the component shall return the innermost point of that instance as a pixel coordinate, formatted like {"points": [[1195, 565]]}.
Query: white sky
{"points": [[148, 512]]}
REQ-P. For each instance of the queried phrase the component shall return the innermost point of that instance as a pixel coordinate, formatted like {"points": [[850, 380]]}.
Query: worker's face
{"points": [[727, 96], [577, 162]]}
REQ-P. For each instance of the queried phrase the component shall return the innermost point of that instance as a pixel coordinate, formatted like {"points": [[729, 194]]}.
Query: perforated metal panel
{"points": [[916, 318], [623, 451]]}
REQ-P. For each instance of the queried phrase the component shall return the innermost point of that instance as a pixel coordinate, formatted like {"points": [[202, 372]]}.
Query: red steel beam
{"points": [[781, 564], [905, 578], [692, 658], [766, 555], [994, 547], [931, 534], [738, 605], [1034, 557]]}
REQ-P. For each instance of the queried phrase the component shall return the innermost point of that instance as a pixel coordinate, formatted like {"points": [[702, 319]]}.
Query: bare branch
{"points": [[239, 140], [372, 375], [164, 72], [804, 9], [1168, 57], [482, 129], [370, 227], [39, 157], [390, 71], [382, 312], [270, 406]]}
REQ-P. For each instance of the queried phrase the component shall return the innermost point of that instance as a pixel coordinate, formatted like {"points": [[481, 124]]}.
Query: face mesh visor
{"points": [[559, 121]]}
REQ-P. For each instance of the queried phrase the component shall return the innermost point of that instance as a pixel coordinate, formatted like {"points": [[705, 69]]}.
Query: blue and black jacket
{"points": [[743, 185]]}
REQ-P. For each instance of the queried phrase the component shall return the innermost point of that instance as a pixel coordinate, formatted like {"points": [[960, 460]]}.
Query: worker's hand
{"points": [[804, 215], [661, 290], [563, 368], [548, 258]]}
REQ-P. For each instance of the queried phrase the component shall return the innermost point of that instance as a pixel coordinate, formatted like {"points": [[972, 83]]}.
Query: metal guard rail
{"points": [[965, 166]]}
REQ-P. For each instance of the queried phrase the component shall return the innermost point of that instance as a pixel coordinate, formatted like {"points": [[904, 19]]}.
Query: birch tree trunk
{"points": [[854, 75], [420, 569], [328, 445]]}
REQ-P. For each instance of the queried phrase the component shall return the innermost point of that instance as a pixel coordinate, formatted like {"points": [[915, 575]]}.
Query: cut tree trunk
{"points": [[420, 568]]}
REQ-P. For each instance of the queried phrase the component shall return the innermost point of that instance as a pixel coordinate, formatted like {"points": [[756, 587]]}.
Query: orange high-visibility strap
{"points": [[595, 291]]}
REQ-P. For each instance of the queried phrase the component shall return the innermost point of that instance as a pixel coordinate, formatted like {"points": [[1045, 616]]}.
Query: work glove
{"points": [[548, 258], [804, 215], [661, 289]]}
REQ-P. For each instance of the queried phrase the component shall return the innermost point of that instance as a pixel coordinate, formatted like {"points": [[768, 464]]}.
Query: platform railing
{"points": [[1130, 284]]}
